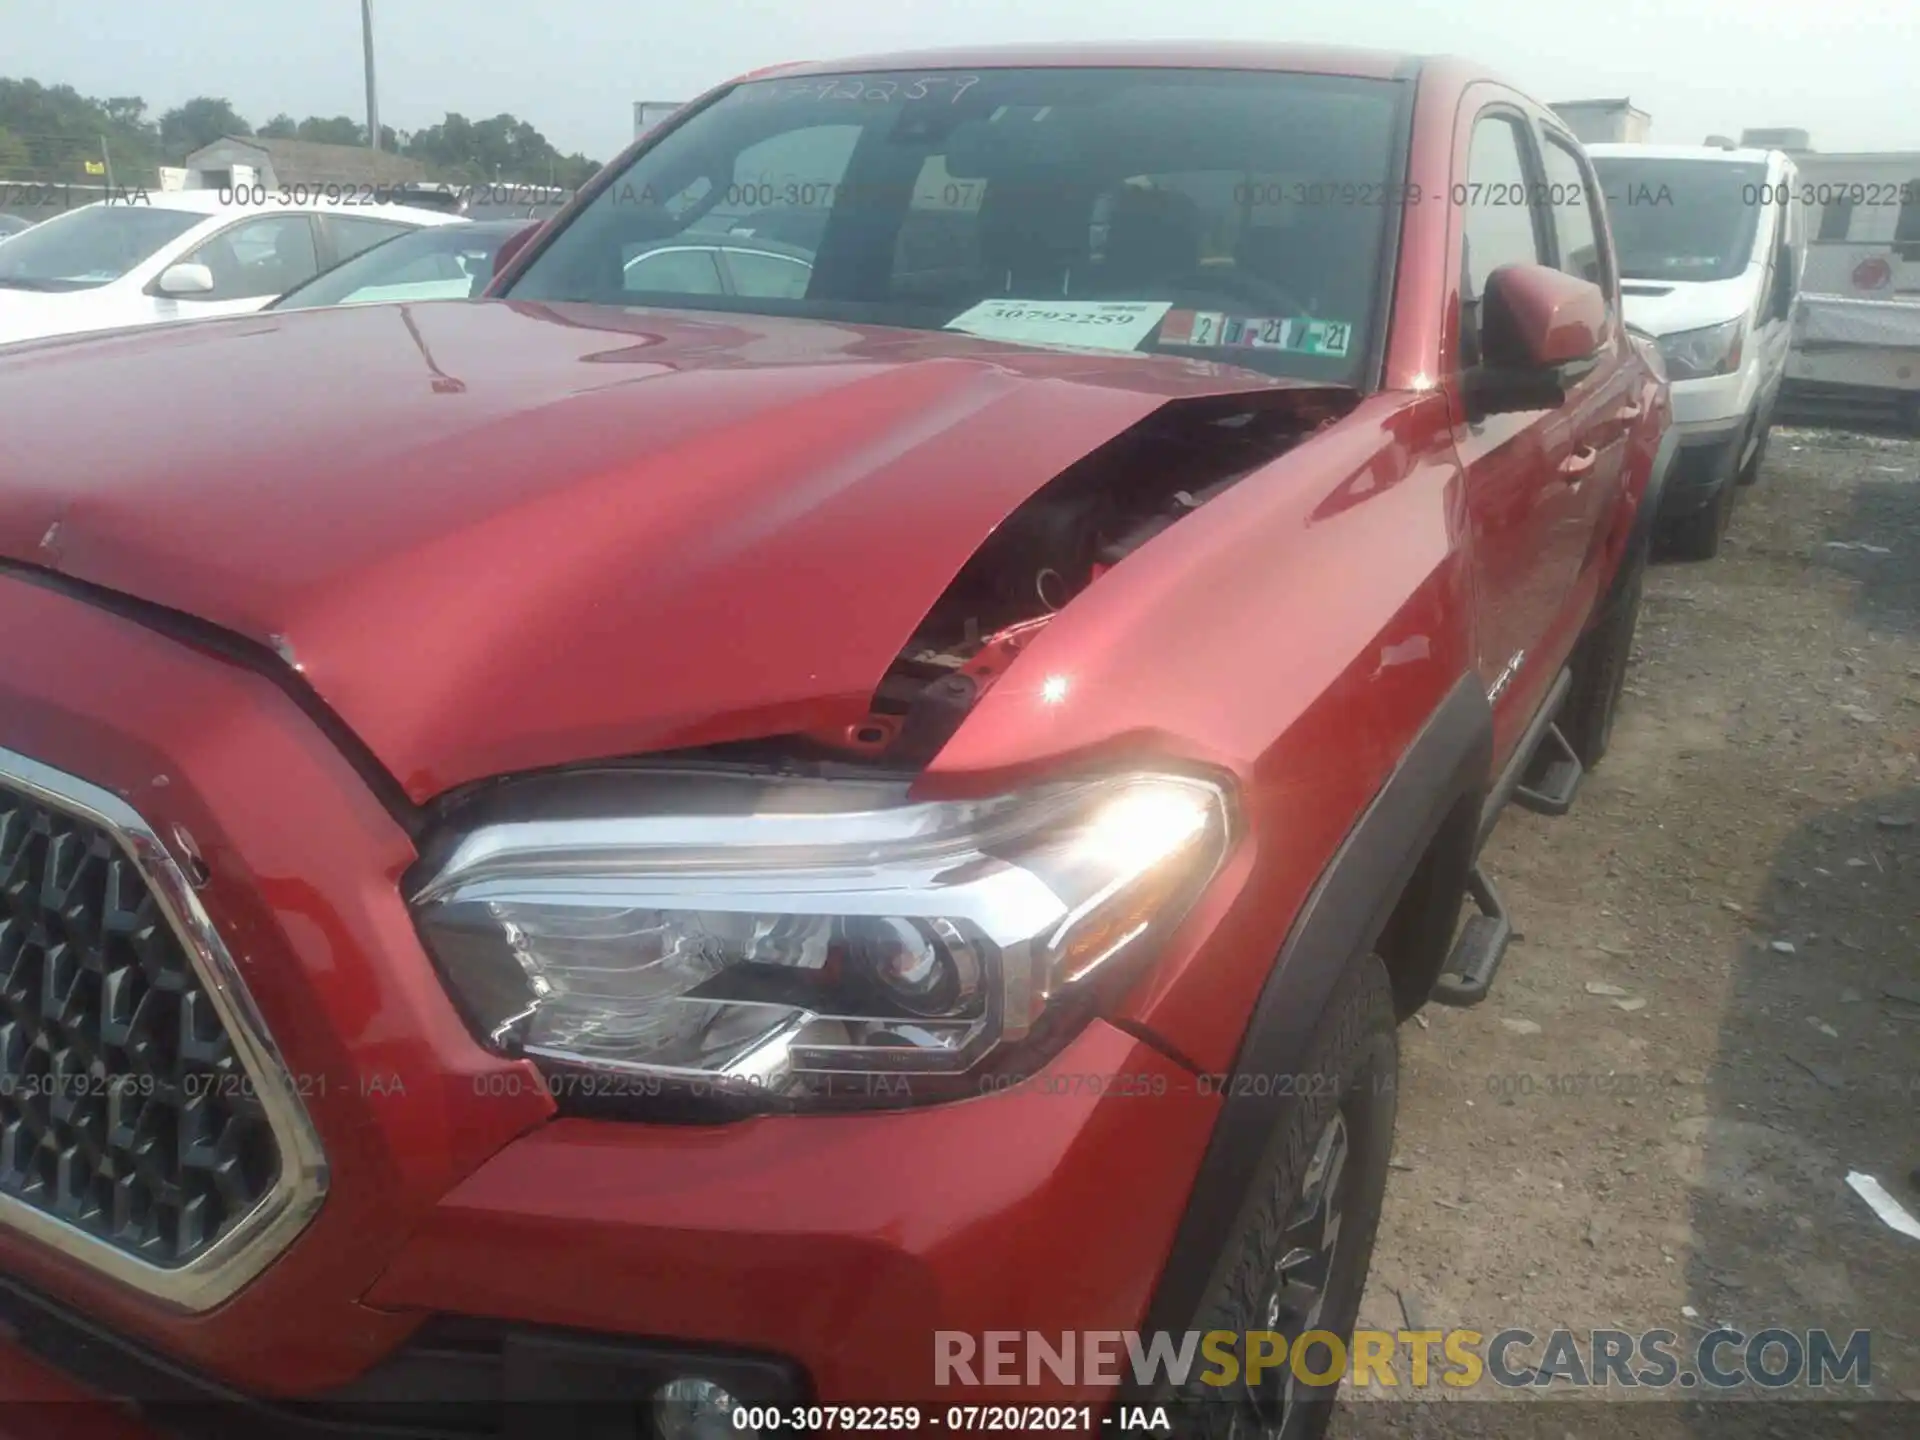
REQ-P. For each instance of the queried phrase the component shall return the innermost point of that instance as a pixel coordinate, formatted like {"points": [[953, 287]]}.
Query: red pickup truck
{"points": [[701, 832]]}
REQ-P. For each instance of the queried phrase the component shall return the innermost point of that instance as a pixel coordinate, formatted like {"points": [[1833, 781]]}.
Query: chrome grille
{"points": [[142, 1114]]}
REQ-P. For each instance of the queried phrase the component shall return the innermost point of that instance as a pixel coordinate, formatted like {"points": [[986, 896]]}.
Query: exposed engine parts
{"points": [[1069, 533]]}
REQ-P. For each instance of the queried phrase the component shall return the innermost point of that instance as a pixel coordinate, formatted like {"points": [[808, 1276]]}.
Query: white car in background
{"points": [[448, 262], [181, 256]]}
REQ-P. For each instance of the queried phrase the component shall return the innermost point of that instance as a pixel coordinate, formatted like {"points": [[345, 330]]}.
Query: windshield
{"points": [[1221, 215], [1681, 219], [90, 246], [439, 262]]}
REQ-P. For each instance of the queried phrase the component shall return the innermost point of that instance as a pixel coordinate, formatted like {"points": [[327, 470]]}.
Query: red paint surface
{"points": [[304, 888], [630, 531], [843, 1241], [623, 532], [1560, 317], [38, 1402], [1872, 273]]}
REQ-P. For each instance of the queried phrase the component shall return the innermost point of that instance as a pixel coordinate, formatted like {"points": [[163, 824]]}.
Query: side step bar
{"points": [[1520, 768], [1552, 777], [1543, 776], [1481, 946]]}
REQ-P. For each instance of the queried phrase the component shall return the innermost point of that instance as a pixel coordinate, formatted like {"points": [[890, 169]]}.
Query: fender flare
{"points": [[1342, 920], [1640, 537]]}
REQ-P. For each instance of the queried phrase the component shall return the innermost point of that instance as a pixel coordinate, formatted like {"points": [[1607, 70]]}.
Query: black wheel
{"points": [[1297, 1261], [1600, 669], [1698, 536], [1750, 473]]}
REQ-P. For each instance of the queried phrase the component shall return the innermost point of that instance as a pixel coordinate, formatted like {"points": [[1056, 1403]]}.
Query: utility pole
{"points": [[373, 99]]}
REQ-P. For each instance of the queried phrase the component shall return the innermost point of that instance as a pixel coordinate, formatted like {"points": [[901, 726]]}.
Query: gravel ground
{"points": [[1714, 1012]]}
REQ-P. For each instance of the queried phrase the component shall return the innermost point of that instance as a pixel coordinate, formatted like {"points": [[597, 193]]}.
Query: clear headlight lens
{"points": [[1698, 354], [794, 940]]}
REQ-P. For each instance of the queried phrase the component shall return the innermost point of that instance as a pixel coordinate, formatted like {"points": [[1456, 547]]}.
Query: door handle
{"points": [[1575, 467]]}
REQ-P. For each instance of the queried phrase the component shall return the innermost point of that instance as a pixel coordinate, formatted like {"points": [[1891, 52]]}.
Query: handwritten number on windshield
{"points": [[926, 87]]}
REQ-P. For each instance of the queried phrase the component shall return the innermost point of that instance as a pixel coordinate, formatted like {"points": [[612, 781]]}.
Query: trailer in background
{"points": [[1857, 334]]}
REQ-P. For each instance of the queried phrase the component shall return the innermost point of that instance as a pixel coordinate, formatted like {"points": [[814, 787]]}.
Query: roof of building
{"points": [[1621, 104], [311, 162]]}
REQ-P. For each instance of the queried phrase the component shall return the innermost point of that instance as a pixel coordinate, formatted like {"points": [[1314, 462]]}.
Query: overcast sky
{"points": [[1843, 69]]}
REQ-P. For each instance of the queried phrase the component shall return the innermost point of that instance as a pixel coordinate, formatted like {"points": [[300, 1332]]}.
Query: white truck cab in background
{"points": [[1711, 244]]}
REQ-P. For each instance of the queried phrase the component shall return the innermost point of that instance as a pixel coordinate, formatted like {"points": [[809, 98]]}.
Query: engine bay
{"points": [[1057, 544]]}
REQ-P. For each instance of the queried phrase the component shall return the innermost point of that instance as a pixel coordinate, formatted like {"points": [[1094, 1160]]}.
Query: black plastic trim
{"points": [[1509, 780], [1702, 470], [457, 1378], [1407, 76], [1474, 962], [222, 644], [1641, 537], [1703, 434], [1342, 920]]}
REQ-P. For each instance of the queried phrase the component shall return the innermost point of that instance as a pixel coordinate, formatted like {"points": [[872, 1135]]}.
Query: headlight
{"points": [[1697, 354], [804, 942]]}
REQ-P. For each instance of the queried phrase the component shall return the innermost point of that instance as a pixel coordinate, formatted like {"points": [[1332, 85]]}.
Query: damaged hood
{"points": [[497, 536]]}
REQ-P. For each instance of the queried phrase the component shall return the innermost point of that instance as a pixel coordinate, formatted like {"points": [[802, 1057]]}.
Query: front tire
{"points": [[1698, 536], [1750, 475], [1297, 1260]]}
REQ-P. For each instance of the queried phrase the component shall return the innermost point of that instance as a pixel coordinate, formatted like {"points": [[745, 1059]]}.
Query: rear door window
{"points": [[349, 235], [257, 258], [773, 277], [676, 270]]}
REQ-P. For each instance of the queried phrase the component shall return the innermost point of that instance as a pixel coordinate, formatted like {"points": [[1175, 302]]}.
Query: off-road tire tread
{"points": [[1360, 1009]]}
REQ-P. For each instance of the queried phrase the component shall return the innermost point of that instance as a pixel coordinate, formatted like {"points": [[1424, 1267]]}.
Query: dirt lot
{"points": [[1741, 880]]}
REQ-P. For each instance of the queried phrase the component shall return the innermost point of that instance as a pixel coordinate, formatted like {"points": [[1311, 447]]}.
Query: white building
{"points": [[1604, 122], [277, 163]]}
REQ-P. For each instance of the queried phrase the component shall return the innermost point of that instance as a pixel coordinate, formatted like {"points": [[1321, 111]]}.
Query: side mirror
{"points": [[1534, 322], [510, 247], [186, 279]]}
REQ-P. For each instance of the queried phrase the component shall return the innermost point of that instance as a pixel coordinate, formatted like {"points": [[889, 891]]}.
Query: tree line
{"points": [[54, 133]]}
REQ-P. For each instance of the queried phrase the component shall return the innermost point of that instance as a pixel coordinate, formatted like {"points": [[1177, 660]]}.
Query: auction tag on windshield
{"points": [[1319, 337], [1089, 324], [1208, 330]]}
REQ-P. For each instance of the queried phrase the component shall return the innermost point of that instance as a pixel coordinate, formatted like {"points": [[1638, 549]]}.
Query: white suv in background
{"points": [[1711, 244], [181, 255]]}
